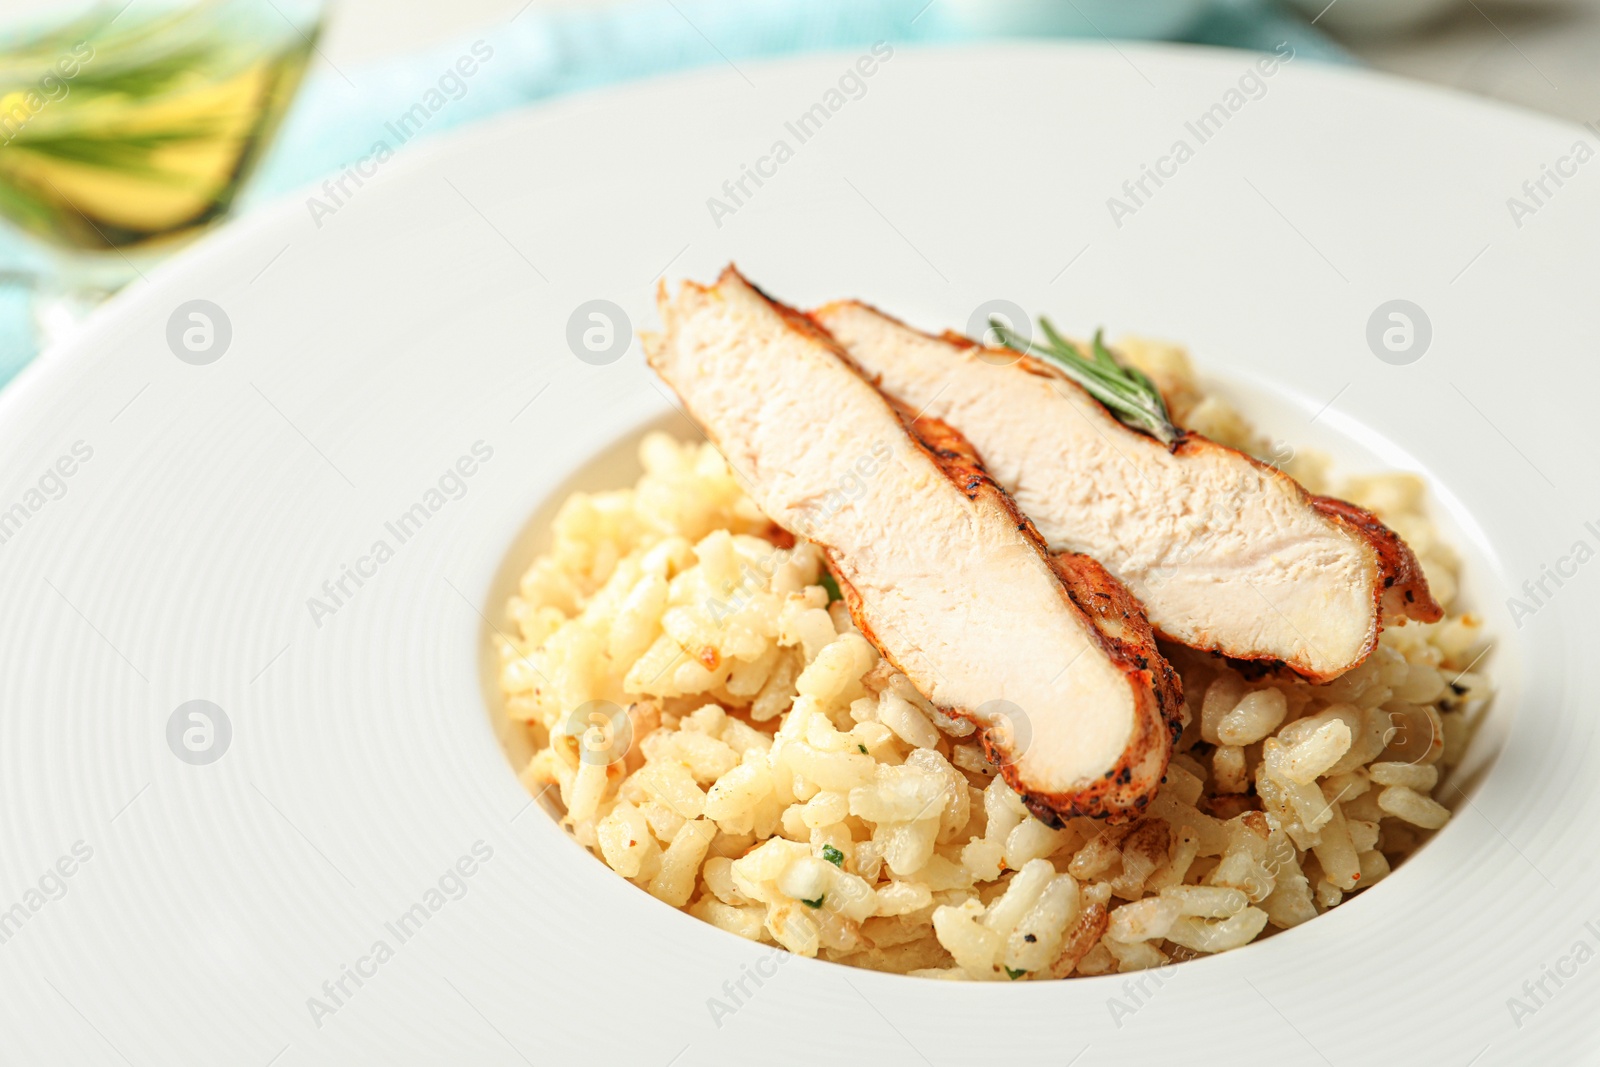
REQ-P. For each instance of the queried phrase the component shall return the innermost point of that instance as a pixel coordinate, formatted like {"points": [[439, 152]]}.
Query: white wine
{"points": [[132, 130]]}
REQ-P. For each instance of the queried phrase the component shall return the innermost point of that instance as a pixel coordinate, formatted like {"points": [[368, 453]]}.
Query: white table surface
{"points": [[1541, 55]]}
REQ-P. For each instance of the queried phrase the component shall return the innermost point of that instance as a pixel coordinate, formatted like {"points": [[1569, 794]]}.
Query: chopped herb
{"points": [[828, 582], [1014, 975], [833, 856], [862, 747], [814, 903]]}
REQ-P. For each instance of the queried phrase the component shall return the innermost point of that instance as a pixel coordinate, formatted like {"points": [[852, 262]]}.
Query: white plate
{"points": [[431, 312]]}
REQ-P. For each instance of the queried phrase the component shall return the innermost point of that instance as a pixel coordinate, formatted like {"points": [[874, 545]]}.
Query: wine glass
{"points": [[127, 129]]}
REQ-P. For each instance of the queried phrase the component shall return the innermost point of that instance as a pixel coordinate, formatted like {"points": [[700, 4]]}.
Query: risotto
{"points": [[719, 734]]}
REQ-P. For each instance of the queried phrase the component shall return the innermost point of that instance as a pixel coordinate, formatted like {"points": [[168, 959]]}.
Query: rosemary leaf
{"points": [[1126, 391]]}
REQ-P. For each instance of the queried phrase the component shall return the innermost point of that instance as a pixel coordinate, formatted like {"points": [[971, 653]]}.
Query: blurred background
{"points": [[128, 128], [1542, 54]]}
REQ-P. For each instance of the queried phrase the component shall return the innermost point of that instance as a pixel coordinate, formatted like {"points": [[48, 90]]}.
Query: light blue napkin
{"points": [[342, 114]]}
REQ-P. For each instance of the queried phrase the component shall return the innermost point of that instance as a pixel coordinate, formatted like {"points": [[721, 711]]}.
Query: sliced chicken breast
{"points": [[1049, 658], [1225, 553]]}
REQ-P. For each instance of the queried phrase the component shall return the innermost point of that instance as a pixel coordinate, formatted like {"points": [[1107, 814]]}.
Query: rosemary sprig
{"points": [[1127, 391], [129, 154]]}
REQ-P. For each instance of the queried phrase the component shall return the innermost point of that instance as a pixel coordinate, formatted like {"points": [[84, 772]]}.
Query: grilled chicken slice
{"points": [[1225, 553], [1050, 658]]}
